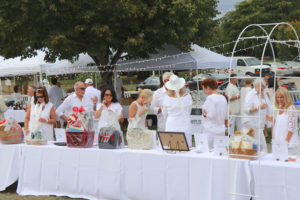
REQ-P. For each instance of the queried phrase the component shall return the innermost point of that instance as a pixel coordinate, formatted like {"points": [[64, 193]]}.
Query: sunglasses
{"points": [[81, 88], [108, 95], [39, 97]]}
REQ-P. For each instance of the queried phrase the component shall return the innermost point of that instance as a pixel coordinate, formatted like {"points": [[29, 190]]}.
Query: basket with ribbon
{"points": [[80, 129], [10, 132]]}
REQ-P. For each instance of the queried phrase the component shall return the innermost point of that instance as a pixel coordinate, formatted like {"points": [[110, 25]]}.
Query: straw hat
{"points": [[175, 83]]}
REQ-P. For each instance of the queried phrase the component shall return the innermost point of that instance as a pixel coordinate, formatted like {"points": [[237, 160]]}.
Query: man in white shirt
{"points": [[90, 91], [77, 99], [55, 94], [233, 95], [157, 100]]}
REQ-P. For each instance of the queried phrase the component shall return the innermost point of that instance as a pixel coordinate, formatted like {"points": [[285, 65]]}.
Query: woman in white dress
{"points": [[177, 108], [214, 111], [138, 110], [109, 112], [255, 111], [286, 123], [40, 115]]}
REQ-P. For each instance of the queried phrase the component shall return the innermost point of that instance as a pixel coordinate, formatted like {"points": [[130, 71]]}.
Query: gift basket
{"points": [[80, 129], [110, 136], [10, 132], [138, 138], [243, 145]]}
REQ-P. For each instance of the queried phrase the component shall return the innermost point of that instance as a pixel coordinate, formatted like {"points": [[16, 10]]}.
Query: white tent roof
{"points": [[16, 66], [170, 58], [84, 64]]}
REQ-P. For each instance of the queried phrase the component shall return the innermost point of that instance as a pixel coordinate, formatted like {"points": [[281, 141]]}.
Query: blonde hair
{"points": [[172, 92], [146, 93], [286, 96]]}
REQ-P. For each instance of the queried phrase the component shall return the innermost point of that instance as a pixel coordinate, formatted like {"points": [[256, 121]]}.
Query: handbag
{"points": [[109, 138]]}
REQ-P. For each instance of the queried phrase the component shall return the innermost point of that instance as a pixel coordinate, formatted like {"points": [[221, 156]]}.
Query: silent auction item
{"points": [[138, 138], [80, 129], [109, 138], [243, 145], [10, 132]]}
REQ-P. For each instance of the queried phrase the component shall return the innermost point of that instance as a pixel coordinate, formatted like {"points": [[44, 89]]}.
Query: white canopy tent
{"points": [[170, 58]]}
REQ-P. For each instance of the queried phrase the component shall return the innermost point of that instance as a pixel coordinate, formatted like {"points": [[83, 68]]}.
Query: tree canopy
{"points": [[105, 29], [256, 12]]}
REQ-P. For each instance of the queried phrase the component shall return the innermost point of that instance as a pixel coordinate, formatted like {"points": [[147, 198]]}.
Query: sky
{"points": [[226, 5]]}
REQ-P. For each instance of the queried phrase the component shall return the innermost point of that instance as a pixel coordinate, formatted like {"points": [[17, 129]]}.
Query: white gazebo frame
{"points": [[269, 40]]}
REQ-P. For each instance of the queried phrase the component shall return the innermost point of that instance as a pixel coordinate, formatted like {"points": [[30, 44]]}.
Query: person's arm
{"points": [[132, 110], [292, 120], [3, 107], [27, 118], [98, 111], [62, 108], [154, 107], [52, 119]]}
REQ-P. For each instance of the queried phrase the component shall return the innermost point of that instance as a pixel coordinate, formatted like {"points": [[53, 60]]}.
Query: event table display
{"points": [[9, 164], [275, 179], [130, 174]]}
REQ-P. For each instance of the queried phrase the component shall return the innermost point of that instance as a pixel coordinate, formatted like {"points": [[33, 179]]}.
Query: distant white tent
{"points": [[84, 64], [170, 58], [16, 66]]}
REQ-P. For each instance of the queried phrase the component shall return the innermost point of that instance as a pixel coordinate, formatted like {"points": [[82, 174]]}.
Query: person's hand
{"points": [[204, 114], [43, 120], [104, 102], [263, 106], [26, 131], [269, 118], [159, 110], [94, 100], [143, 111], [238, 96]]}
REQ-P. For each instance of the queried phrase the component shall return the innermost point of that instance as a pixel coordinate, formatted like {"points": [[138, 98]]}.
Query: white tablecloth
{"points": [[18, 115], [128, 174], [9, 165], [276, 180]]}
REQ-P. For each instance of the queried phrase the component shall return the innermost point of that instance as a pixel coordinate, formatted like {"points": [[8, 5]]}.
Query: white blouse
{"points": [[287, 121], [251, 120], [216, 109]]}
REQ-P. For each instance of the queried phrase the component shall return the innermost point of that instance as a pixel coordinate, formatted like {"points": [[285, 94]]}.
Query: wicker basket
{"points": [[36, 142], [240, 153]]}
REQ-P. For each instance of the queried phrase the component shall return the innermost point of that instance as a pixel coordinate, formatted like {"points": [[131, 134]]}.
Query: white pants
{"points": [[234, 120]]}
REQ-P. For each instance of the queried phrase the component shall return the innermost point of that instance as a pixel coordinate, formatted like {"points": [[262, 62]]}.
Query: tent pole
{"points": [[96, 82], [197, 99], [115, 79]]}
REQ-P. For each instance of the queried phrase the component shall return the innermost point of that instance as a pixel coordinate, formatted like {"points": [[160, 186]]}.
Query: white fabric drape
{"points": [[9, 165], [130, 174]]}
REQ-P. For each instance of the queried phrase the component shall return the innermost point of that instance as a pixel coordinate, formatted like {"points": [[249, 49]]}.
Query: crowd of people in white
{"points": [[172, 104]]}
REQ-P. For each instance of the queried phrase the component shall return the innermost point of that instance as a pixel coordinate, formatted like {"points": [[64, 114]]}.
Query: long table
{"points": [[130, 174], [9, 165], [276, 180]]}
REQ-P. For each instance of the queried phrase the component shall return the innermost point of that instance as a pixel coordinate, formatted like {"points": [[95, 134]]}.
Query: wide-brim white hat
{"points": [[175, 83]]}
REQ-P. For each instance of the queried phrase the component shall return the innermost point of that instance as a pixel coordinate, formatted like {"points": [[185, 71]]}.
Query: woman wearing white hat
{"points": [[177, 107]]}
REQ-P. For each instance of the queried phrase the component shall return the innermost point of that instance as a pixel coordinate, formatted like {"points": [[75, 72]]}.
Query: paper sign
{"points": [[280, 150], [201, 143], [220, 145], [60, 134]]}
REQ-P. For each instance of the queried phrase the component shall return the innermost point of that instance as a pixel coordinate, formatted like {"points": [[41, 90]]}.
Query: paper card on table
{"points": [[220, 145], [201, 143], [60, 134], [280, 150]]}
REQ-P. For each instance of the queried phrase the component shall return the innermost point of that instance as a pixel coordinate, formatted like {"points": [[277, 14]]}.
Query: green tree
{"points": [[255, 12], [105, 29]]}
